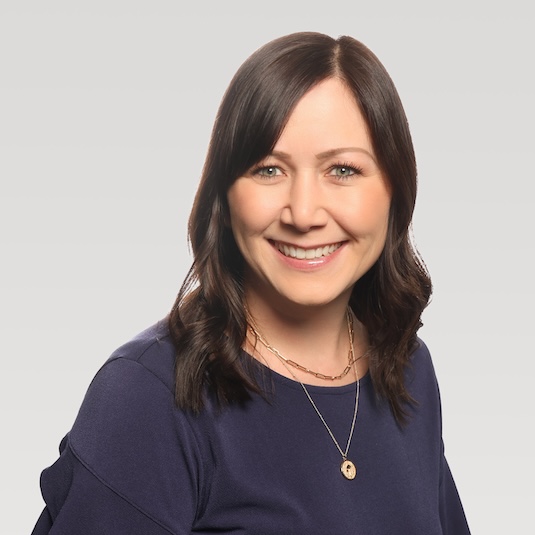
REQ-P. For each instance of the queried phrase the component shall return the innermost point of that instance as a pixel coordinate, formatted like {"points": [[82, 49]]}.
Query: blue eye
{"points": [[269, 171], [345, 170]]}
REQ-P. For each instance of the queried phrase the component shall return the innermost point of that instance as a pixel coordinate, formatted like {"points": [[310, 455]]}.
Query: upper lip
{"points": [[303, 246]]}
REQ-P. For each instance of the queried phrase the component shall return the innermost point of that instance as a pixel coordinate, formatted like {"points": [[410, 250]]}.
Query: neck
{"points": [[316, 338]]}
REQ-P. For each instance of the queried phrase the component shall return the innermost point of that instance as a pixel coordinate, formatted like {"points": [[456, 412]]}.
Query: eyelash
{"points": [[355, 170], [345, 165], [257, 170]]}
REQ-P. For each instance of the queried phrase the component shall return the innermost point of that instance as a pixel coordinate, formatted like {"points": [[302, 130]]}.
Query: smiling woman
{"points": [[287, 390], [312, 218]]}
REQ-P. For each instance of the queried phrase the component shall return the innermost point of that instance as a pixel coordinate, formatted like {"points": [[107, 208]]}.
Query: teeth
{"points": [[309, 254]]}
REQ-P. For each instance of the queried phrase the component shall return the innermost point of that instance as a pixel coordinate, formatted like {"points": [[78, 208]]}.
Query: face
{"points": [[311, 218]]}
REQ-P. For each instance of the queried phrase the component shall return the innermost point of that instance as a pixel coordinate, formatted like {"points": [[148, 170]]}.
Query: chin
{"points": [[315, 297]]}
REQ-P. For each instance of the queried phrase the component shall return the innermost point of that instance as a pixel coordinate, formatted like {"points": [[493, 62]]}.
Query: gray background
{"points": [[105, 114]]}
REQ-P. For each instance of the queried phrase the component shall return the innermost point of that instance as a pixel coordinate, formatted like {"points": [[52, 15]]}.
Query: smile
{"points": [[301, 254]]}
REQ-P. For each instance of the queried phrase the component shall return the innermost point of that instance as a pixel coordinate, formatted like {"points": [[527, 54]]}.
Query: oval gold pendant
{"points": [[348, 469]]}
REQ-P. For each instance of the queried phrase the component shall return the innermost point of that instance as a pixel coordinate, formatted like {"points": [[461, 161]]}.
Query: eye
{"points": [[268, 171], [344, 170]]}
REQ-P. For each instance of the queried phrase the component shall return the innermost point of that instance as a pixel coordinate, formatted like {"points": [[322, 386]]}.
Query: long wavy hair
{"points": [[207, 322]]}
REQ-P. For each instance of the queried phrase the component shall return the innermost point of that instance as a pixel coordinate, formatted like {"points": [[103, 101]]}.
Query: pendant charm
{"points": [[348, 469]]}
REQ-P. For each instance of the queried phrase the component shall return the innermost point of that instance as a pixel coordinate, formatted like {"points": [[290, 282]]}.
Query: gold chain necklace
{"points": [[350, 357], [347, 467]]}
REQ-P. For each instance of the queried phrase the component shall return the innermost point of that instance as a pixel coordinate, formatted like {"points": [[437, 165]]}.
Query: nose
{"points": [[305, 207]]}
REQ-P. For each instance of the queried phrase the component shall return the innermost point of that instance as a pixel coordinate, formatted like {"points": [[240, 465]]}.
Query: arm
{"points": [[129, 465], [452, 515]]}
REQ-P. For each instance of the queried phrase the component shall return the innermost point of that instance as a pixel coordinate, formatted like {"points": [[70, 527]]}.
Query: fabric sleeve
{"points": [[451, 512], [452, 515], [78, 502], [130, 465]]}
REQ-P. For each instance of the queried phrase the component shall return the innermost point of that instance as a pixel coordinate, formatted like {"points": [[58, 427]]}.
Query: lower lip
{"points": [[308, 264]]}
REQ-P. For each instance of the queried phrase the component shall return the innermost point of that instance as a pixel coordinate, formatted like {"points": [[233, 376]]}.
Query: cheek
{"points": [[250, 211], [236, 206], [240, 221], [382, 215], [373, 214], [244, 220]]}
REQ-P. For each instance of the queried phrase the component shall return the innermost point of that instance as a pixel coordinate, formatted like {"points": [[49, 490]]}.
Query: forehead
{"points": [[326, 117]]}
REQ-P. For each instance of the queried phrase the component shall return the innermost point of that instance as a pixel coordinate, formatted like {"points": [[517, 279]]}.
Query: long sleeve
{"points": [[135, 464], [129, 465], [452, 515], [79, 502]]}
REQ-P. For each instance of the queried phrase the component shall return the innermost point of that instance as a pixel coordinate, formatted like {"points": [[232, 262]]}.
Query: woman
{"points": [[287, 391]]}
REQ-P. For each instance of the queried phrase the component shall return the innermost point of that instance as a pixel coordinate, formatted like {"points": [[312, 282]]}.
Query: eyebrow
{"points": [[328, 153]]}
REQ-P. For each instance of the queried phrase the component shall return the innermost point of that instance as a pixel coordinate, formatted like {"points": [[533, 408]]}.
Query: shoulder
{"points": [[137, 376], [420, 376], [421, 363], [152, 350], [133, 391], [130, 440], [129, 432]]}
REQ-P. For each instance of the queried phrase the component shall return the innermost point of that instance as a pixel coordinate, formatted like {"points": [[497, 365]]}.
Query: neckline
{"points": [[265, 372]]}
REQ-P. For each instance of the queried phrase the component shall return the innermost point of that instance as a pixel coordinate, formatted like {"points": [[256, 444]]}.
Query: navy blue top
{"points": [[134, 464]]}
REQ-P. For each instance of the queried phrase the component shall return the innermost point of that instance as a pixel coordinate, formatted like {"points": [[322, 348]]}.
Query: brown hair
{"points": [[207, 322]]}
